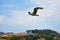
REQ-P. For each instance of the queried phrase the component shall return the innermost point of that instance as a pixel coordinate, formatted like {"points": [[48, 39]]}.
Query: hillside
{"points": [[45, 34]]}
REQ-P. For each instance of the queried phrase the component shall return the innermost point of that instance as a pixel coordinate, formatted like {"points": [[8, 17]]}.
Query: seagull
{"points": [[35, 11]]}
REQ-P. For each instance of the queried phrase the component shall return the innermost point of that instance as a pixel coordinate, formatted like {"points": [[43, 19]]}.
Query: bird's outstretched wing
{"points": [[36, 9]]}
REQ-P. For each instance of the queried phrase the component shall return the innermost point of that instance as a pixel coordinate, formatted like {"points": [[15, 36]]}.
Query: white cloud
{"points": [[2, 18], [46, 2], [50, 6], [19, 17]]}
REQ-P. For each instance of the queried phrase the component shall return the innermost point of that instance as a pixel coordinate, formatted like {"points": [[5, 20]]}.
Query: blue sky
{"points": [[14, 15]]}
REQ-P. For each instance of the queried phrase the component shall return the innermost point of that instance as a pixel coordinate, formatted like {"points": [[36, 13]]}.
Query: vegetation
{"points": [[38, 35]]}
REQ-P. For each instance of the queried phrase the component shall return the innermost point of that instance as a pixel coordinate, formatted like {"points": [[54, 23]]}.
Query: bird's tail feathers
{"points": [[37, 15]]}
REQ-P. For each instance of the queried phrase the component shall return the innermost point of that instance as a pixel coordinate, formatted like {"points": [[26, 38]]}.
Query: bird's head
{"points": [[29, 13]]}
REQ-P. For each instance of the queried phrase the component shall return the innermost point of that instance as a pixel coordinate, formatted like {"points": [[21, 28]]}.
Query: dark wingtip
{"points": [[41, 8]]}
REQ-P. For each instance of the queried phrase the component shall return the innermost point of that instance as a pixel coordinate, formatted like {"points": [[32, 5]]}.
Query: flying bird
{"points": [[35, 11]]}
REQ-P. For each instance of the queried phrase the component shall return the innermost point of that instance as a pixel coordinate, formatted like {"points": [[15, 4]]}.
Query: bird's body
{"points": [[35, 11]]}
